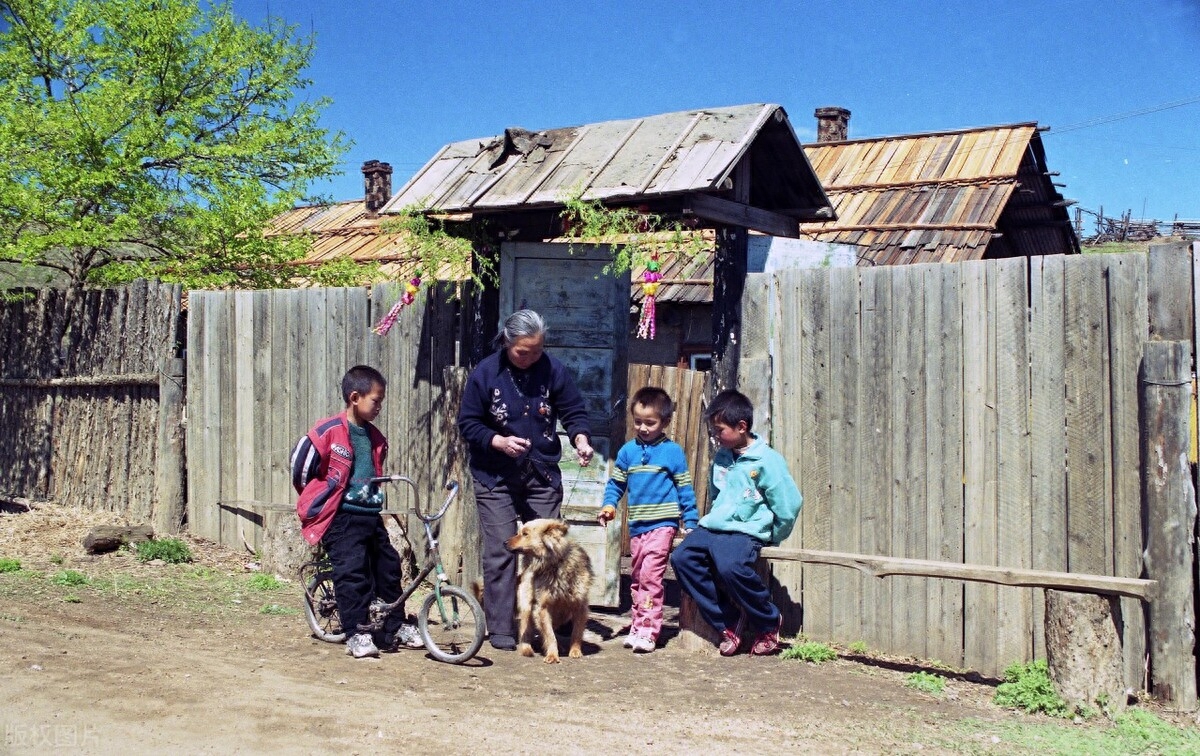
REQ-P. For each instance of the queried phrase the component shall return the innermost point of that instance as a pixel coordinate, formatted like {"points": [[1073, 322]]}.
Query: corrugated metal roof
{"points": [[614, 161], [941, 197], [908, 199]]}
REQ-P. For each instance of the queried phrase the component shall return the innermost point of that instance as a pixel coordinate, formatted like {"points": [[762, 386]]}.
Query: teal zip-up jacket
{"points": [[755, 494]]}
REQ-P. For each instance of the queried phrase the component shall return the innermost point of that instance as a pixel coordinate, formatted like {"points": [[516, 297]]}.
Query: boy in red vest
{"points": [[331, 470]]}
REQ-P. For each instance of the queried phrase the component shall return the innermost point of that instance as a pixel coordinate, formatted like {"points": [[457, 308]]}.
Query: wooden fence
{"points": [[263, 366], [92, 400], [981, 413]]}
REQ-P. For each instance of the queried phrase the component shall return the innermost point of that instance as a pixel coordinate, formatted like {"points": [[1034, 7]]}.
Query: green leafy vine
{"points": [[635, 235], [444, 248]]}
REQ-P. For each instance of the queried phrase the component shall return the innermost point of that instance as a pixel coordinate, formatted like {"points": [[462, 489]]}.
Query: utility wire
{"points": [[1130, 114]]}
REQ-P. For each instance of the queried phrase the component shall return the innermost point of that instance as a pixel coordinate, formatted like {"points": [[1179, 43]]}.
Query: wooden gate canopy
{"points": [[682, 163]]}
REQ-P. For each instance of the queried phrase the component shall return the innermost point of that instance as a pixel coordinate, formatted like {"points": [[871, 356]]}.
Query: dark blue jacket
{"points": [[500, 399]]}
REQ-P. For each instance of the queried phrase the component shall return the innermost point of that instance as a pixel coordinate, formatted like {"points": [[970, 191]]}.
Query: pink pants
{"points": [[650, 552]]}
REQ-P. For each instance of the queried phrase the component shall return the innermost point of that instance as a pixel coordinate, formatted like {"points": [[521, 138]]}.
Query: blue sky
{"points": [[407, 77]]}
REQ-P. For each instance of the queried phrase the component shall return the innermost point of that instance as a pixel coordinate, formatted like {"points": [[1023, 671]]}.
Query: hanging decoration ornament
{"points": [[410, 293], [650, 278]]}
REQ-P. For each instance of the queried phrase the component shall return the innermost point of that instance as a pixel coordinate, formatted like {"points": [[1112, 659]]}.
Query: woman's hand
{"points": [[583, 449], [511, 446]]}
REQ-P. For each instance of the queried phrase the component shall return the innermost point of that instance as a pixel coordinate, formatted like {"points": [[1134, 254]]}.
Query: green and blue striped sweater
{"points": [[656, 483]]}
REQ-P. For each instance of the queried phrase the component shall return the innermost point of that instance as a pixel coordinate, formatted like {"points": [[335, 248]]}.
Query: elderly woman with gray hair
{"points": [[512, 404]]}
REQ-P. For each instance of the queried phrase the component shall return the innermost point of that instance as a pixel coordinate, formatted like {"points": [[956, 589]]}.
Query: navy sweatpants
{"points": [[365, 566], [718, 571]]}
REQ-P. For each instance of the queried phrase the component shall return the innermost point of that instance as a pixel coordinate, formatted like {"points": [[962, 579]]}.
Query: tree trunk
{"points": [[1083, 650]]}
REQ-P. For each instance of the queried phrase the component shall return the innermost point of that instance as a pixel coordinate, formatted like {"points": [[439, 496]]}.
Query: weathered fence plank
{"points": [[1089, 513], [875, 443], [1127, 332], [979, 464], [845, 463], [806, 394], [908, 498], [944, 457], [1170, 521], [1048, 494], [1014, 517]]}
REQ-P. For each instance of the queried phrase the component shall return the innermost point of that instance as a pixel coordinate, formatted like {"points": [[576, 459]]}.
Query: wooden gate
{"points": [[588, 316]]}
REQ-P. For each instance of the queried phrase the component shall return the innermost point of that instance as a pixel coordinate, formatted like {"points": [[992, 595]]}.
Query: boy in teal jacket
{"points": [[756, 505]]}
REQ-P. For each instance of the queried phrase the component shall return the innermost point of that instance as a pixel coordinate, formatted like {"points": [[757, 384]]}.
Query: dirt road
{"points": [[196, 658]]}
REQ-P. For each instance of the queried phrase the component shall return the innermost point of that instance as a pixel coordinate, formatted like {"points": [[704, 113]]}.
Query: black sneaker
{"points": [[503, 642]]}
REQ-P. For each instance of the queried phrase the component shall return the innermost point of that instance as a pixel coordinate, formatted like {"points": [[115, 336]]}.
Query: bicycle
{"points": [[450, 621]]}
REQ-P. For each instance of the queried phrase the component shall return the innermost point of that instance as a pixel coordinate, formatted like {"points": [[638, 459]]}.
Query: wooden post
{"points": [[729, 281], [1169, 502], [1083, 650], [170, 502]]}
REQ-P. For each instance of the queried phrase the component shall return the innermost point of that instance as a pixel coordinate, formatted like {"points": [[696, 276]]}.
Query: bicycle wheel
{"points": [[320, 609], [451, 624]]}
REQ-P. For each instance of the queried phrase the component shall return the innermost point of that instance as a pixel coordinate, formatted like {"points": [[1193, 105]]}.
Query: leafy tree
{"points": [[154, 138]]}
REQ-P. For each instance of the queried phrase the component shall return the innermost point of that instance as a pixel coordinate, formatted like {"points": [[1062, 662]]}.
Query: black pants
{"points": [[365, 566], [525, 496]]}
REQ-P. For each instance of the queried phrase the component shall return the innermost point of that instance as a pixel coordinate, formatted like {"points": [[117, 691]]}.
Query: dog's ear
{"points": [[559, 527]]}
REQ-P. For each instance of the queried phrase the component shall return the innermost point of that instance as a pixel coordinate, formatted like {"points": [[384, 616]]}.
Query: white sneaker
{"points": [[641, 644], [409, 636], [628, 642], [360, 645]]}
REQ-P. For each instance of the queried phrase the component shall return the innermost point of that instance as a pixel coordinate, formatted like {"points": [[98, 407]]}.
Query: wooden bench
{"points": [[1082, 641]]}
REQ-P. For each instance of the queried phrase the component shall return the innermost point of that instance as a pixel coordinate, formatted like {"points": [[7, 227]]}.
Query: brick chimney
{"points": [[377, 183], [832, 124]]}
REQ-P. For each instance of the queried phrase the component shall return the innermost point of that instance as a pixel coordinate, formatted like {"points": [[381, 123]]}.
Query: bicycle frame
{"points": [[433, 555]]}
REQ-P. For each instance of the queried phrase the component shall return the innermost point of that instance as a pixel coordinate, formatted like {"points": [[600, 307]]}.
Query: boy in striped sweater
{"points": [[651, 472]]}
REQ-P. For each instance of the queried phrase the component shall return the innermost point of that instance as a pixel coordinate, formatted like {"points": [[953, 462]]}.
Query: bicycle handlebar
{"points": [[451, 486]]}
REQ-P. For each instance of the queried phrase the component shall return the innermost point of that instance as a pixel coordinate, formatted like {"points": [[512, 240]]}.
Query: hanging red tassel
{"points": [[410, 294], [650, 278]]}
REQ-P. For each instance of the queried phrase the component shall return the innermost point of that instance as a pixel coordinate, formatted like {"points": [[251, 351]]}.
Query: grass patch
{"points": [[859, 647], [69, 578], [810, 651], [71, 598], [1028, 687], [277, 609], [1136, 732], [8, 564], [264, 582], [170, 550], [926, 682]]}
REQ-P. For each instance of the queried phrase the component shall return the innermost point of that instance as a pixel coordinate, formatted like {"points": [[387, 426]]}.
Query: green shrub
{"points": [[926, 682], [858, 647], [810, 651], [262, 581], [170, 550], [7, 564], [1028, 687], [70, 578]]}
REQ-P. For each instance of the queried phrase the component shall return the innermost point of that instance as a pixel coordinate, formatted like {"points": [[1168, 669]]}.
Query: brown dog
{"points": [[553, 589]]}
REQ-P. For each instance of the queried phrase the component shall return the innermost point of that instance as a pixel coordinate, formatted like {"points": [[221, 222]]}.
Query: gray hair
{"points": [[519, 325]]}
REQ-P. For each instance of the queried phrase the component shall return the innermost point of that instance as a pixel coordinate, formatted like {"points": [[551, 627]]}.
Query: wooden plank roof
{"points": [[624, 161], [942, 197]]}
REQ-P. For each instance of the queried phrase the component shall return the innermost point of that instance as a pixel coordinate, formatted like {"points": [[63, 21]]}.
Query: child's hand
{"points": [[607, 515]]}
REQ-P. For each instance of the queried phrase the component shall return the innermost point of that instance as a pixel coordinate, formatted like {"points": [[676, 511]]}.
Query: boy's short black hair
{"points": [[656, 399], [731, 407], [361, 378]]}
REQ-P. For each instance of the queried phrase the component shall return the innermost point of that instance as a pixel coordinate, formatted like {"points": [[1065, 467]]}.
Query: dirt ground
{"points": [[191, 658]]}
